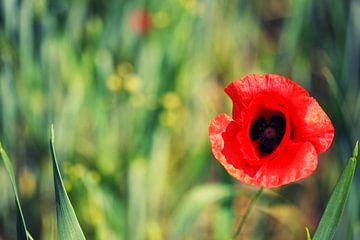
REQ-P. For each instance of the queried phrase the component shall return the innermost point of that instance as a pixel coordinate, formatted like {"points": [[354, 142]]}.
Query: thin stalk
{"points": [[248, 210]]}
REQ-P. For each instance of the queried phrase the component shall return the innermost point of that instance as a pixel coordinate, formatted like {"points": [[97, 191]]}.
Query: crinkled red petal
{"points": [[223, 133], [242, 92], [312, 124], [296, 161]]}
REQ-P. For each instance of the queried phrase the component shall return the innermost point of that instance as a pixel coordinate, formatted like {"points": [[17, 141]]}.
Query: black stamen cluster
{"points": [[268, 133]]}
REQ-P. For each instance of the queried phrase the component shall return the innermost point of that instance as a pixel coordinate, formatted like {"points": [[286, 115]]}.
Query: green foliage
{"points": [[331, 217], [68, 226], [22, 232]]}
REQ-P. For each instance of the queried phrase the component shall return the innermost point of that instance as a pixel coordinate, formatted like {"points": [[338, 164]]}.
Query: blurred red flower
{"points": [[140, 20], [275, 133]]}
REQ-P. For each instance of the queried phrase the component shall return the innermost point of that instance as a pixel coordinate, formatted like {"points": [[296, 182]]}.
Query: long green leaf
{"points": [[334, 208], [22, 232], [68, 226]]}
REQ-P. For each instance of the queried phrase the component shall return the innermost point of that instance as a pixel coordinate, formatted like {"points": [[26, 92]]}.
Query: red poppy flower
{"points": [[275, 133], [140, 21]]}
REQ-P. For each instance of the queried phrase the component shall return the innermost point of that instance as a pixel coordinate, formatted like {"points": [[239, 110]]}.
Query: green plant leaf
{"points": [[68, 226], [22, 232], [330, 219]]}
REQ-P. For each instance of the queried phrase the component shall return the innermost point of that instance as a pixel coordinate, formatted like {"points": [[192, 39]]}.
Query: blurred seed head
{"points": [[39, 7], [94, 177], [76, 171], [27, 183], [94, 27], [67, 185], [168, 119], [95, 214], [37, 102], [161, 19]]}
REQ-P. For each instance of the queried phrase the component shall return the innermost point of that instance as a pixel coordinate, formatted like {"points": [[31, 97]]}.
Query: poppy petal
{"points": [[312, 124], [296, 161], [245, 90], [226, 149]]}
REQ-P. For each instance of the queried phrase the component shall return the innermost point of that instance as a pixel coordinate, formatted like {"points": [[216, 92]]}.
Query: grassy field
{"points": [[131, 96]]}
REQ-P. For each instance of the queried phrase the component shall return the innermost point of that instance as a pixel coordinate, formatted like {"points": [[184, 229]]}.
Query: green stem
{"points": [[248, 210], [29, 236]]}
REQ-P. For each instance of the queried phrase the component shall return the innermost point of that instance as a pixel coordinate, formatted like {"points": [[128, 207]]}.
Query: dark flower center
{"points": [[268, 133]]}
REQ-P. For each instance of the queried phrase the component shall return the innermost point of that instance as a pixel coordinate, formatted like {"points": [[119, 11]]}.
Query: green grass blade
{"points": [[68, 226], [29, 236], [330, 219], [22, 232]]}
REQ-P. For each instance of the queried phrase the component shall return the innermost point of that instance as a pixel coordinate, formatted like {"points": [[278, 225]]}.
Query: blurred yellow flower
{"points": [[132, 84], [124, 69], [171, 101], [154, 231], [113, 83], [189, 5]]}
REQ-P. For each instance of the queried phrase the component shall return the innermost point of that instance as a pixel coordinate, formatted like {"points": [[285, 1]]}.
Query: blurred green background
{"points": [[131, 87]]}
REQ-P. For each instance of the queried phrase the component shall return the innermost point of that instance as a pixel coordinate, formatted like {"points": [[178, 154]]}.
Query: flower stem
{"points": [[248, 210]]}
